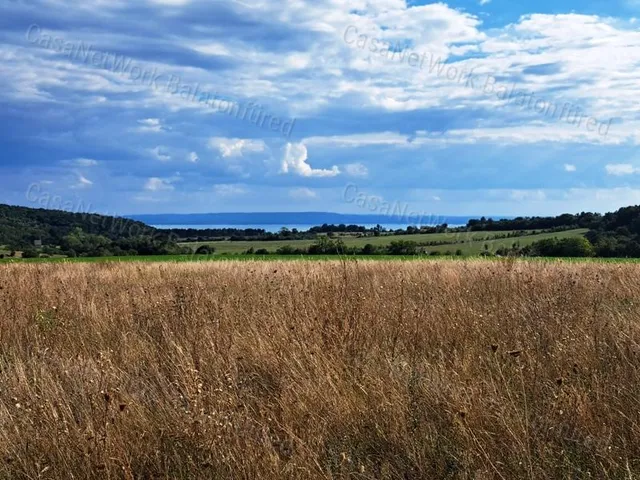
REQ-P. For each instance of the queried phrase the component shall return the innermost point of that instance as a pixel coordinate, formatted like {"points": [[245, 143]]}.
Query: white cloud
{"points": [[569, 167], [146, 198], [484, 2], [596, 58], [193, 157], [534, 132], [298, 61], [172, 3], [295, 161], [81, 162], [356, 170], [229, 190], [620, 169], [212, 48], [539, 202], [151, 125], [159, 153], [82, 182], [523, 134], [359, 140], [527, 195], [155, 184], [302, 193], [236, 147]]}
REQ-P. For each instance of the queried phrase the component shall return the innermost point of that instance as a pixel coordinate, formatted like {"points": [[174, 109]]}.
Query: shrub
{"points": [[326, 246], [566, 247], [369, 249], [205, 250], [287, 250], [30, 253], [402, 247]]}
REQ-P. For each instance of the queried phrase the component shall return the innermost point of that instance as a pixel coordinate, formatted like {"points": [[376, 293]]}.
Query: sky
{"points": [[469, 107]]}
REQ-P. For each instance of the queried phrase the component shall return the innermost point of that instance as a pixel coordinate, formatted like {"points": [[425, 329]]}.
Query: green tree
{"points": [[205, 250], [369, 249], [30, 253], [576, 247], [402, 247]]}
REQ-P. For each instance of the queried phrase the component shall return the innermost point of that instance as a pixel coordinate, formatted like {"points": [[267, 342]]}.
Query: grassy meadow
{"points": [[320, 370], [471, 243]]}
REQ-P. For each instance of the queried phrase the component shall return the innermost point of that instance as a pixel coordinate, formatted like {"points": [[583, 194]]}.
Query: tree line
{"points": [[80, 234], [52, 232]]}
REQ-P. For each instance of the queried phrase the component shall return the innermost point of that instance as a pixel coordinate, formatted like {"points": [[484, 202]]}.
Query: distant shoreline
{"points": [[274, 228], [294, 220]]}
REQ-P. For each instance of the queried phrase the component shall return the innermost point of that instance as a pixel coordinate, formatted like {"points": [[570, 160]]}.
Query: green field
{"points": [[349, 240], [476, 247], [472, 243]]}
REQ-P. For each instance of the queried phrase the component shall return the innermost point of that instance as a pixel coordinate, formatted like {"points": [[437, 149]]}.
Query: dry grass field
{"points": [[368, 370]]}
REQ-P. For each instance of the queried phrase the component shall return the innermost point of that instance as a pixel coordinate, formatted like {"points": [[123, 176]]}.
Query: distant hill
{"points": [[21, 226], [295, 218]]}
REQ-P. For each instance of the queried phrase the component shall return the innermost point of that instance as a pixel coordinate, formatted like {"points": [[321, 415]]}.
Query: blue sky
{"points": [[178, 106]]}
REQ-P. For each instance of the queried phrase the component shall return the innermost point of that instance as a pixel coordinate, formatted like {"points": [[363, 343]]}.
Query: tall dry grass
{"points": [[320, 370]]}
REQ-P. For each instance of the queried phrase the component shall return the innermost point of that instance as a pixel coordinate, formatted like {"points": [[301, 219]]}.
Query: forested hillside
{"points": [[615, 234], [79, 234]]}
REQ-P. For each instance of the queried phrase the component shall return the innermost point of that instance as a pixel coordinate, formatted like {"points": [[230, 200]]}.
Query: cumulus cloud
{"points": [[236, 147], [229, 190], [193, 157], [156, 184], [294, 58], [295, 161], [569, 167], [620, 169], [302, 193], [356, 170], [597, 55], [151, 125], [159, 153]]}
